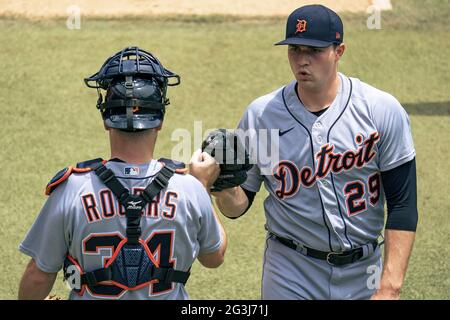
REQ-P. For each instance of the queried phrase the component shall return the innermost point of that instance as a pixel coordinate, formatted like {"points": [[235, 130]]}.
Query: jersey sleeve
{"points": [[45, 241], [396, 145], [209, 236], [400, 187], [247, 132]]}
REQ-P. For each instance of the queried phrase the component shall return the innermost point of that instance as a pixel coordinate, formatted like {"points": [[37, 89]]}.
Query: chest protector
{"points": [[132, 266]]}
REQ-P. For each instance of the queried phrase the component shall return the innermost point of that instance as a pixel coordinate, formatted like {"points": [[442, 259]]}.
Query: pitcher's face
{"points": [[313, 67]]}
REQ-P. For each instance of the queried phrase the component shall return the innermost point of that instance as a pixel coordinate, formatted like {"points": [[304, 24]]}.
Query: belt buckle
{"points": [[331, 254]]}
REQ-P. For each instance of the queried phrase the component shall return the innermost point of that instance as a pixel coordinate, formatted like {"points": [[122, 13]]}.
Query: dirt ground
{"points": [[109, 8]]}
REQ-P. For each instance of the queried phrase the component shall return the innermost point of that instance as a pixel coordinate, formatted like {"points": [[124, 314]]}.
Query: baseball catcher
{"points": [[132, 226]]}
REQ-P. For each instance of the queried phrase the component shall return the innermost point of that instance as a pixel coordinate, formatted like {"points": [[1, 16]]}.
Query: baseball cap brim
{"points": [[305, 42]]}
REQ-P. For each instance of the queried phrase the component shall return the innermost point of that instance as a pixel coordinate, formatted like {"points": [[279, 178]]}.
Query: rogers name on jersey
{"points": [[164, 206]]}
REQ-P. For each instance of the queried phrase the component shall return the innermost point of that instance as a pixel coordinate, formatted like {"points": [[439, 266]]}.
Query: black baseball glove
{"points": [[232, 157]]}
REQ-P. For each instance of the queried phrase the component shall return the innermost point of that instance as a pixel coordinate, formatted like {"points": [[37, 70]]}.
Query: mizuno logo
{"points": [[133, 204], [282, 133]]}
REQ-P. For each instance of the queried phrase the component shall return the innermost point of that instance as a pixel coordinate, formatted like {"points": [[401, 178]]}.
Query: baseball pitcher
{"points": [[344, 150]]}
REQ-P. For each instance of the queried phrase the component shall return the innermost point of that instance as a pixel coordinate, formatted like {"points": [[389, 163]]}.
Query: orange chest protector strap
{"points": [[132, 266]]}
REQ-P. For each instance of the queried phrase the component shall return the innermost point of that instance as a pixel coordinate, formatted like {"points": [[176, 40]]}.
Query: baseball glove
{"points": [[232, 157]]}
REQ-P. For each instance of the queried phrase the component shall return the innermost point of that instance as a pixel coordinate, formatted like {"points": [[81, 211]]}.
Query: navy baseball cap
{"points": [[313, 25]]}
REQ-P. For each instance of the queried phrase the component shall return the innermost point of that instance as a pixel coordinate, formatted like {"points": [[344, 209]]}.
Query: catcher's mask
{"points": [[136, 86]]}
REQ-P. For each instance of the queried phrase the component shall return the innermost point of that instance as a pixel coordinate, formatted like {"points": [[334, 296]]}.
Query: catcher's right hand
{"points": [[232, 157]]}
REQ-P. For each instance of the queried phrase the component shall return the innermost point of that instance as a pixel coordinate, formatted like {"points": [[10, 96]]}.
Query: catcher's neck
{"points": [[133, 147]]}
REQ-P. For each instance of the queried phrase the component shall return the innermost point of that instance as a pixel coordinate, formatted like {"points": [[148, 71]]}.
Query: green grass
{"points": [[49, 120]]}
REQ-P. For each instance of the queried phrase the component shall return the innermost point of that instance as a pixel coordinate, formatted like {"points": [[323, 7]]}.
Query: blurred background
{"points": [[224, 53]]}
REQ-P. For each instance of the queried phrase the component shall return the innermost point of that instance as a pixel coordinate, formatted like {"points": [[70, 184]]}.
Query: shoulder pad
{"points": [[180, 167], [172, 163], [88, 163], [62, 176]]}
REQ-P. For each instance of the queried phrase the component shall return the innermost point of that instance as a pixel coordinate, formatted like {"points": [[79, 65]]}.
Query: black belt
{"points": [[333, 258]]}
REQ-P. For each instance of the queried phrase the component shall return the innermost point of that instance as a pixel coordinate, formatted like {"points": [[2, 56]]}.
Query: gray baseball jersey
{"points": [[83, 218], [325, 190]]}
